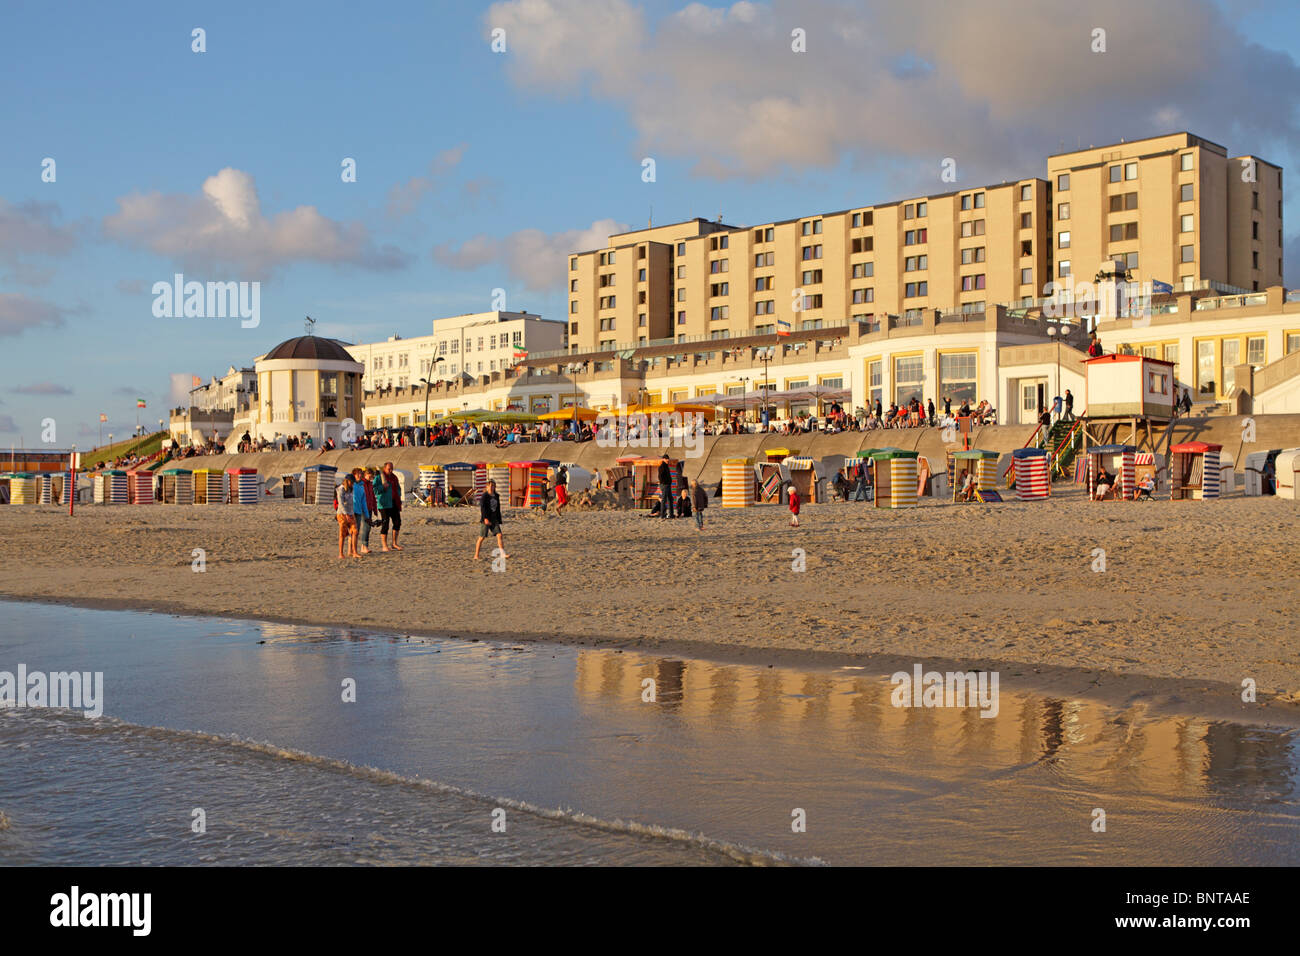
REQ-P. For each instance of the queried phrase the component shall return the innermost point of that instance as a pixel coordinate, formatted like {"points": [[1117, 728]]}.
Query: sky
{"points": [[490, 139]]}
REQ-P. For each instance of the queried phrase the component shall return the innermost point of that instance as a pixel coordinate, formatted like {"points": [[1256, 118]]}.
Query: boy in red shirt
{"points": [[794, 508]]}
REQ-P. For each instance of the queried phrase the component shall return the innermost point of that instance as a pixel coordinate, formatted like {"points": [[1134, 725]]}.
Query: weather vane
{"points": [[308, 325]]}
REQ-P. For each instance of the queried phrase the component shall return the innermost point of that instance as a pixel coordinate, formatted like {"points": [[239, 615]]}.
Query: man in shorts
{"points": [[489, 512]]}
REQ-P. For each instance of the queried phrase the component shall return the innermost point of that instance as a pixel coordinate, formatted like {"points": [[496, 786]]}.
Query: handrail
{"points": [[1066, 444]]}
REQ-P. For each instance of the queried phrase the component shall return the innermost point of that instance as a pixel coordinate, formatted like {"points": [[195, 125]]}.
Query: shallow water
{"points": [[247, 722]]}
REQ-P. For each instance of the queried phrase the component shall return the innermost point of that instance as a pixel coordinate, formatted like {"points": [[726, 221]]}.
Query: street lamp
{"points": [[765, 358], [1057, 331], [744, 397]]}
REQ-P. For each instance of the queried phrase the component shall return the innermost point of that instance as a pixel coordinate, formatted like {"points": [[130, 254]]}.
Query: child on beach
{"points": [[794, 508], [489, 513], [701, 501], [343, 497], [561, 490]]}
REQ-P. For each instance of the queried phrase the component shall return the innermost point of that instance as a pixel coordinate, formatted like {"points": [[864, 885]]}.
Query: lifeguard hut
{"points": [[1194, 471], [1129, 399]]}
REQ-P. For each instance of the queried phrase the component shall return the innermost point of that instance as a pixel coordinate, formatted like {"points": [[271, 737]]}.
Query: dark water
{"points": [[247, 723]]}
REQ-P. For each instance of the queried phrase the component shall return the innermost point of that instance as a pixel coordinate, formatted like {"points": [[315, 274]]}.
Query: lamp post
{"points": [[744, 397], [766, 359]]}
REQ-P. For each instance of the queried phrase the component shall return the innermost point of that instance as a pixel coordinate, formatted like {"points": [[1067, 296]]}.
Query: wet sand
{"points": [[1194, 598]]}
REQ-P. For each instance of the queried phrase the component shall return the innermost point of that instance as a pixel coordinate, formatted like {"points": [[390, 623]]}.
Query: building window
{"points": [[719, 312], [909, 378], [875, 380], [812, 301], [864, 270], [719, 265], [1063, 210], [965, 202], [681, 318], [972, 254], [1171, 355], [720, 288], [573, 264], [764, 259], [922, 210], [1188, 254], [641, 320], [1130, 170], [863, 295], [1063, 268], [909, 211], [1131, 260], [1026, 276], [957, 376], [1063, 241], [1116, 174], [811, 252], [681, 248], [1026, 220], [640, 275], [863, 244], [812, 276], [1123, 230], [1186, 192], [763, 284], [1185, 162], [916, 263], [1026, 193], [1292, 342], [914, 290], [1255, 350], [1188, 223], [914, 237]]}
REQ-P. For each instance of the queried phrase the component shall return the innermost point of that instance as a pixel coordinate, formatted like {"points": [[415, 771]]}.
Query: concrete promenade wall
{"points": [[1272, 431]]}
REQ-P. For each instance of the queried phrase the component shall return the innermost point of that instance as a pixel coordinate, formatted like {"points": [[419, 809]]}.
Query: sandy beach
{"points": [[1194, 597]]}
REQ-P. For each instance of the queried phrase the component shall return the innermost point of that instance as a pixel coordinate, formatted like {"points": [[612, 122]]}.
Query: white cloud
{"points": [[224, 227], [404, 197], [21, 312], [537, 259], [994, 85]]}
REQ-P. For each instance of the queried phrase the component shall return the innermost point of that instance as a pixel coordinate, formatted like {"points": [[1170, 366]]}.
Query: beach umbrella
{"points": [[569, 414]]}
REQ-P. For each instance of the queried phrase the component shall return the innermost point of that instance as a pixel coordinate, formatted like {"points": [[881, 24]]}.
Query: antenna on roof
{"points": [[309, 325]]}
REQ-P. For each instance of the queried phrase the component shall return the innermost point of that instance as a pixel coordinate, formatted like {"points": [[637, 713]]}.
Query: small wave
{"points": [[738, 852]]}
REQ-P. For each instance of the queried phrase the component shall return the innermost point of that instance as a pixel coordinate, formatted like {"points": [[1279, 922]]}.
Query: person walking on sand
{"points": [[561, 490], [794, 508], [489, 513], [666, 489], [344, 500], [700, 499], [388, 491]]}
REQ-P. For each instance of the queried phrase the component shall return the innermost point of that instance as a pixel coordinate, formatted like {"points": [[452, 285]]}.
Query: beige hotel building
{"points": [[1176, 209]]}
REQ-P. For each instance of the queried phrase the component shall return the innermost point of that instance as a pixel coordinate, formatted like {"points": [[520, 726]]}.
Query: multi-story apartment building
{"points": [[475, 344], [1173, 208], [228, 392]]}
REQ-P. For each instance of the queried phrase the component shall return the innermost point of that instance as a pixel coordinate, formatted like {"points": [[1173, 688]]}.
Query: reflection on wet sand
{"points": [[1172, 755]]}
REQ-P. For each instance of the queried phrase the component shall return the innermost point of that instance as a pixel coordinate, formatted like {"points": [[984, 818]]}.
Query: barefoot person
{"points": [[343, 498], [794, 508], [388, 492], [561, 489], [361, 509], [489, 512]]}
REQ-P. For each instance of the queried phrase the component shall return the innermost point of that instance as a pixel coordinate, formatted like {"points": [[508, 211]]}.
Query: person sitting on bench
{"points": [[1145, 487], [1104, 483], [966, 485]]}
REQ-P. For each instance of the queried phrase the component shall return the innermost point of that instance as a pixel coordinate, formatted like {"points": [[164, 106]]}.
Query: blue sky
{"points": [[478, 170]]}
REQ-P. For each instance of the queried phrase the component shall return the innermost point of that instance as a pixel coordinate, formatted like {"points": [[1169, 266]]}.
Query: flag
{"points": [[1158, 286], [103, 418], [139, 403], [196, 381], [782, 327], [521, 352]]}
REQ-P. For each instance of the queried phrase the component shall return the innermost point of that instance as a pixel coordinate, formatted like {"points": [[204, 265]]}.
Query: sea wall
{"points": [[705, 464]]}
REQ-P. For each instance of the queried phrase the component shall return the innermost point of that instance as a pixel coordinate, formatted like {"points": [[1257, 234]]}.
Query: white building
{"points": [[475, 344]]}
